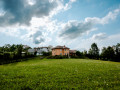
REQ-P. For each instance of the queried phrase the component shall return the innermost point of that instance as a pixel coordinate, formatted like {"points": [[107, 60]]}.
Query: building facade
{"points": [[39, 50], [60, 50], [31, 51], [72, 52]]}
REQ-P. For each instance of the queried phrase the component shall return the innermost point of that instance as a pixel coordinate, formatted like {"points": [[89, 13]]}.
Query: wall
{"points": [[59, 52]]}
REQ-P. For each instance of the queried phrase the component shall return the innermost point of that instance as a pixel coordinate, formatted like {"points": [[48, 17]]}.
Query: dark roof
{"points": [[60, 47], [72, 51]]}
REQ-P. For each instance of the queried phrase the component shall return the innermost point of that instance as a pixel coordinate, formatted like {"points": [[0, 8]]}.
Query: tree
{"points": [[1, 49], [94, 51], [108, 53], [46, 53], [6, 47], [85, 53], [90, 53], [103, 53], [117, 52], [78, 53], [13, 48], [19, 51]]}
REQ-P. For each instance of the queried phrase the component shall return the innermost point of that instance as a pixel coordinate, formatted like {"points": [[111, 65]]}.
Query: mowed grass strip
{"points": [[58, 74]]}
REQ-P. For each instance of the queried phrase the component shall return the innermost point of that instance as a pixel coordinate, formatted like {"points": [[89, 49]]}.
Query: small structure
{"points": [[72, 52], [50, 48], [31, 51], [39, 50], [23, 53], [60, 50]]}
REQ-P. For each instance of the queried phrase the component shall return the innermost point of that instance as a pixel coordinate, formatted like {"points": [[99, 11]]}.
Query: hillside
{"points": [[60, 74]]}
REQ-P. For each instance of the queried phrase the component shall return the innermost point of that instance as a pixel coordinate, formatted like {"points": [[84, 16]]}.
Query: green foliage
{"points": [[108, 53], [6, 56], [103, 54], [60, 74], [19, 51], [117, 51], [12, 53], [85, 53], [47, 53], [13, 48], [35, 53], [57, 57], [94, 51], [78, 53]]}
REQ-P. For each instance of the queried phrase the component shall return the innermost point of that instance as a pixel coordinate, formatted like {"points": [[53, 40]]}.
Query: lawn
{"points": [[56, 74]]}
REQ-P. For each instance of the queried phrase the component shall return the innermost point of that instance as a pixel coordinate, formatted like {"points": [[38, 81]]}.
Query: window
{"points": [[60, 49], [60, 53], [65, 53], [65, 49]]}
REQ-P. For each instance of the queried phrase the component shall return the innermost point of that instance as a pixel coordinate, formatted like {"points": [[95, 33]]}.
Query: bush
{"points": [[1, 56], [1, 59], [6, 56], [57, 57], [47, 53], [74, 56], [81, 57]]}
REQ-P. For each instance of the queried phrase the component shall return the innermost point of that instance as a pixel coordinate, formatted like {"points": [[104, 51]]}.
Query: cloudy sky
{"points": [[74, 23]]}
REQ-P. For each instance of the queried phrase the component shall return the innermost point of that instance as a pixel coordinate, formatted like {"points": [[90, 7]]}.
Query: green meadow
{"points": [[56, 74]]}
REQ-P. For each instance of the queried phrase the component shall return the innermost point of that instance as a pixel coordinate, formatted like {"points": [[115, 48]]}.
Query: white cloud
{"points": [[101, 39], [68, 5], [40, 20], [22, 12], [42, 24], [14, 32], [74, 29], [2, 12], [104, 20], [100, 36], [31, 2]]}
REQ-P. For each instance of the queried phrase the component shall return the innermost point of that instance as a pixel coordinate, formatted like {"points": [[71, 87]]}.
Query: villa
{"points": [[60, 50]]}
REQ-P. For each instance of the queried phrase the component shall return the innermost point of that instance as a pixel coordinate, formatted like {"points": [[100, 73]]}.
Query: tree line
{"points": [[13, 53], [108, 53]]}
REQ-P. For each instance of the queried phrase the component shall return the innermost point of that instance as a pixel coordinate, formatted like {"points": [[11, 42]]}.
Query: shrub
{"points": [[47, 53], [57, 57], [6, 56]]}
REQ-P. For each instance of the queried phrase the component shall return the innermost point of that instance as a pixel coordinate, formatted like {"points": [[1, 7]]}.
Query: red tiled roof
{"points": [[60, 47], [72, 51]]}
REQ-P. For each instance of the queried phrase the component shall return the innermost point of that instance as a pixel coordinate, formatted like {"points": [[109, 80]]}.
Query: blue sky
{"points": [[74, 23]]}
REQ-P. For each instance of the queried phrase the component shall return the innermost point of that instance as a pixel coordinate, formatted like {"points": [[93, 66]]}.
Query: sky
{"points": [[74, 23]]}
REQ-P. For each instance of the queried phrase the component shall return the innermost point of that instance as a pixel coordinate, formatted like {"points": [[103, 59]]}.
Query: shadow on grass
{"points": [[15, 62], [26, 88]]}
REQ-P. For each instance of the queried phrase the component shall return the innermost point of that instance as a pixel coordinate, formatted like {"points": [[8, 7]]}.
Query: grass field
{"points": [[59, 74]]}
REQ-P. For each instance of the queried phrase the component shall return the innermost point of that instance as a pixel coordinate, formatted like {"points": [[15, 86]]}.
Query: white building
{"points": [[39, 50], [31, 51]]}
